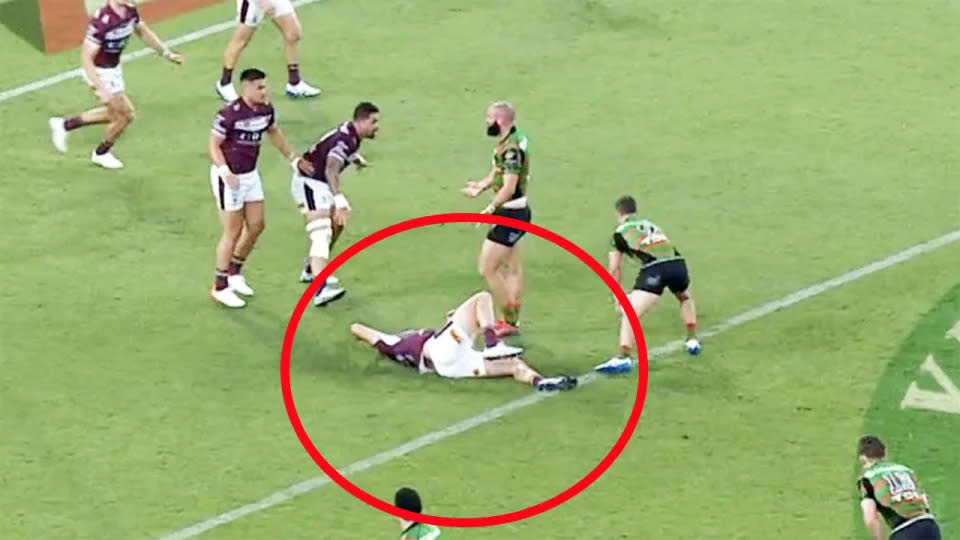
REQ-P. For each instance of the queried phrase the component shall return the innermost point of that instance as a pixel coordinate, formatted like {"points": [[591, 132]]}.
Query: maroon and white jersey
{"points": [[111, 31], [341, 143], [242, 127], [407, 348]]}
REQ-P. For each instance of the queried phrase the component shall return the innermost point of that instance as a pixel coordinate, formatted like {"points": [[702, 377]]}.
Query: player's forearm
{"points": [[216, 155], [153, 40], [333, 179], [505, 193], [86, 63], [279, 141], [874, 528]]}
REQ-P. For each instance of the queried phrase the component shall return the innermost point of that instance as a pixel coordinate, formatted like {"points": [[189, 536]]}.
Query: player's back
{"points": [[421, 531], [643, 239], [342, 142], [896, 490]]}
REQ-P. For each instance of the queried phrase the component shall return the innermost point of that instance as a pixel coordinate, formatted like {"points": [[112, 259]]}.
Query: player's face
{"points": [[256, 91], [368, 126]]}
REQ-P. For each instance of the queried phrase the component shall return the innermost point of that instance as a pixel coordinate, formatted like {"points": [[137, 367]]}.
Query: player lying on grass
{"points": [[662, 266], [449, 352]]}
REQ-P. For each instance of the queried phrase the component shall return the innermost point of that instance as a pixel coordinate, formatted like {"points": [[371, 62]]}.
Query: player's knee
{"points": [[256, 227], [292, 35], [484, 298], [319, 231]]}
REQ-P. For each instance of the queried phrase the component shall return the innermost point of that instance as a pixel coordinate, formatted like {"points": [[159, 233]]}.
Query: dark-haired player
{"points": [[250, 13], [893, 491], [449, 352], [107, 34], [317, 189], [661, 267], [234, 148], [501, 259], [408, 499]]}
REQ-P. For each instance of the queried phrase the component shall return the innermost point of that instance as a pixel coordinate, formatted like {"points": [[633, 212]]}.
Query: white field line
{"points": [[490, 415], [40, 84]]}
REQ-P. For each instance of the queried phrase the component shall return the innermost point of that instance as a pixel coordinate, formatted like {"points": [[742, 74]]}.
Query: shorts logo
{"points": [[513, 237], [653, 280]]}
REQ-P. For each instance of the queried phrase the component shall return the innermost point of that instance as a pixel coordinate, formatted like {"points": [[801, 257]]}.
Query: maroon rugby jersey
{"points": [[409, 350], [111, 31], [242, 127], [341, 142]]}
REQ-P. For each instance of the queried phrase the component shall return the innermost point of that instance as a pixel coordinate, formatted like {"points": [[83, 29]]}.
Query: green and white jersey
{"points": [[512, 156], [643, 239], [420, 531], [896, 490]]}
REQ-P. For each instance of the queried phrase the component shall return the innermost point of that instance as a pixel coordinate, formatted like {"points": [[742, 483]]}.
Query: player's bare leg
{"points": [[477, 314], [521, 372], [320, 232], [253, 225], [232, 227], [688, 312], [642, 302], [366, 333], [121, 114], [59, 127], [492, 257], [291, 30], [238, 42], [513, 279]]}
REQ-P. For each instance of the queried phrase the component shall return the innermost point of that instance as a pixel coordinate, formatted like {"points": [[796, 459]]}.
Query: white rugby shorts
{"points": [[251, 12], [110, 78], [453, 355], [310, 194], [230, 199]]}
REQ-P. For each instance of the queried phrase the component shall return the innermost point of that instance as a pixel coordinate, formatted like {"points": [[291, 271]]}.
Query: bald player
{"points": [[501, 258]]}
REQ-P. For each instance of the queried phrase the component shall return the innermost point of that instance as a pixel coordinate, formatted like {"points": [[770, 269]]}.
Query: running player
{"points": [[234, 148], [249, 15], [107, 35], [501, 259], [892, 490], [317, 190], [662, 266], [449, 351]]}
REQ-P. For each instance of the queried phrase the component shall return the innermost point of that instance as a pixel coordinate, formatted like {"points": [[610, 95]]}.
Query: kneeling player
{"points": [[449, 351], [662, 267]]}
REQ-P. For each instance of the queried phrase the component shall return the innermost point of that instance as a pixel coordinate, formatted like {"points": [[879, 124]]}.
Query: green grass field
{"points": [[780, 144]]}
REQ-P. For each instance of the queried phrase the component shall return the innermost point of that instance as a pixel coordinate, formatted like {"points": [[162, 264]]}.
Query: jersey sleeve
{"points": [[221, 124], [513, 160], [865, 488], [93, 29], [618, 243]]}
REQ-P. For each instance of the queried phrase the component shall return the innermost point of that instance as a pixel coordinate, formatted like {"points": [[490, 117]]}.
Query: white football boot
{"points": [[107, 161], [617, 364], [501, 350], [58, 133], [301, 90], [328, 294], [239, 284], [227, 92], [227, 297]]}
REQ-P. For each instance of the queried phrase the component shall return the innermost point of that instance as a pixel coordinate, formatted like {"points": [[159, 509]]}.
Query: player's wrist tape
{"points": [[340, 201]]}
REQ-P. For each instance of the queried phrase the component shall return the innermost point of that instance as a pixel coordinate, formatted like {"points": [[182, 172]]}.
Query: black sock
{"points": [[220, 282], [293, 74], [226, 76], [236, 265], [104, 147]]}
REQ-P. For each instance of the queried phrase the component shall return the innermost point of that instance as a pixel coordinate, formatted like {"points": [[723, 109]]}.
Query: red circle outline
{"points": [[499, 519]]}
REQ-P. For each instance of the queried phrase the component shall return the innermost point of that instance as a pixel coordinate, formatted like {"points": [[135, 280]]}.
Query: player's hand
{"points": [[304, 167], [266, 6], [341, 216], [231, 180], [360, 162], [176, 58], [472, 189]]}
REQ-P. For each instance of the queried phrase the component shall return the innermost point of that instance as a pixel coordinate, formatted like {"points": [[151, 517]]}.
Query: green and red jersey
{"points": [[896, 490]]}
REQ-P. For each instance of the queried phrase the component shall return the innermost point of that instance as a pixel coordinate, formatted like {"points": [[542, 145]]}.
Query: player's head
{"points": [[366, 118], [253, 86], [870, 449], [500, 117], [625, 206], [408, 499]]}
